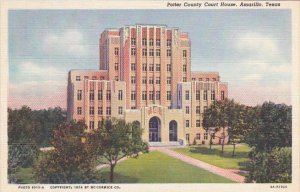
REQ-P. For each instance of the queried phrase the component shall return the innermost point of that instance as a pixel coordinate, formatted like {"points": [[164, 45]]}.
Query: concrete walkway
{"points": [[229, 174]]}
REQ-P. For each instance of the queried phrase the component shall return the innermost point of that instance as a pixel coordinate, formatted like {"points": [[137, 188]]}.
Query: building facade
{"points": [[145, 76]]}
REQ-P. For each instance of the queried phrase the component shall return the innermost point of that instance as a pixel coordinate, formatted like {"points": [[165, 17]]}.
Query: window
{"points": [[151, 67], [169, 80], [116, 51], [79, 95], [77, 78], [187, 110], [108, 95], [179, 95], [91, 126], [132, 95], [169, 53], [79, 110], [133, 107], [144, 80], [157, 95], [133, 41], [157, 67], [116, 78], [187, 95], [133, 51], [205, 108], [158, 42], [86, 77], [168, 95], [100, 112], [168, 67], [94, 78], [197, 109], [144, 42], [214, 79], [91, 110], [184, 53], [144, 95], [133, 67], [151, 95], [120, 110], [157, 52], [101, 78], [157, 80], [200, 79], [144, 67], [187, 123], [207, 79], [91, 95], [187, 137], [205, 136], [184, 79], [144, 52], [120, 95], [193, 79], [133, 79], [198, 95], [108, 110], [213, 95], [169, 42], [198, 123], [205, 95], [151, 80], [197, 136], [151, 52], [151, 42], [184, 68], [99, 94], [222, 95]]}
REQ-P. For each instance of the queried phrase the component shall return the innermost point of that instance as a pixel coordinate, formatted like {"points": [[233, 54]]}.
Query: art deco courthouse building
{"points": [[145, 76]]}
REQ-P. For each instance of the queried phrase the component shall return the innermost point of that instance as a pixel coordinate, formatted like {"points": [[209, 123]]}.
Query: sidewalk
{"points": [[195, 162]]}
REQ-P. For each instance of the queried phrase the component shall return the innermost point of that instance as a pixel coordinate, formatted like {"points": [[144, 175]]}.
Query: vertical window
{"points": [[157, 52], [100, 112], [184, 79], [169, 42], [193, 79], [116, 51], [222, 95], [205, 136], [205, 95], [207, 79], [120, 95], [157, 80], [184, 68], [157, 67], [116, 78], [200, 79], [108, 95], [184, 53], [168, 95], [79, 95], [92, 95], [187, 123], [99, 94], [214, 79], [168, 67], [144, 95], [151, 80], [86, 77], [144, 42], [169, 53], [133, 41], [91, 126], [151, 42], [187, 137], [151, 67], [120, 110], [94, 78], [133, 67], [197, 136], [144, 67], [179, 95], [198, 95], [108, 110], [144, 80], [77, 78], [187, 95], [132, 95], [158, 42], [157, 95], [144, 52], [169, 80], [133, 79], [133, 52], [213, 95], [151, 95], [91, 110], [187, 110], [79, 110], [151, 52], [197, 109], [198, 123]]}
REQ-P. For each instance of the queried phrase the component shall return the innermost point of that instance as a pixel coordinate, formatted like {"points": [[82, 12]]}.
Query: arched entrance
{"points": [[173, 130], [154, 129]]}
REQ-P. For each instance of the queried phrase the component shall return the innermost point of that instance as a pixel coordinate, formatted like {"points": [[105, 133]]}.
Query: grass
{"points": [[157, 167], [213, 156], [25, 175]]}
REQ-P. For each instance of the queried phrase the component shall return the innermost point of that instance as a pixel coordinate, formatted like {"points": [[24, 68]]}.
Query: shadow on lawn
{"points": [[226, 154], [119, 178]]}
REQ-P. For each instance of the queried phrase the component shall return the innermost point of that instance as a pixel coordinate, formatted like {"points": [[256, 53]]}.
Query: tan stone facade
{"points": [[145, 76]]}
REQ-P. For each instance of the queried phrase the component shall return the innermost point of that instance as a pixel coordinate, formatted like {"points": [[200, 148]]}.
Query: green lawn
{"points": [[213, 156], [25, 175], [157, 167]]}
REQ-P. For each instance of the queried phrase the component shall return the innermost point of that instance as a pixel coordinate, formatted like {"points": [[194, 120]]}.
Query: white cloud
{"points": [[67, 43]]}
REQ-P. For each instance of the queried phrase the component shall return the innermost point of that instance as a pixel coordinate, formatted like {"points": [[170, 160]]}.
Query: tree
{"points": [[274, 166], [116, 139], [71, 161]]}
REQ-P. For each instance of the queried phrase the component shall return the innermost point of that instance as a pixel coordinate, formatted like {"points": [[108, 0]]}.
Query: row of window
{"points": [[100, 95], [151, 95], [157, 52], [151, 42], [212, 95], [206, 79], [78, 78], [198, 136], [187, 109], [187, 123], [100, 111], [144, 67]]}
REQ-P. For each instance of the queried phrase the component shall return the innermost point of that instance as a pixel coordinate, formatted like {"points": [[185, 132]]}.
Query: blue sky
{"points": [[251, 49]]}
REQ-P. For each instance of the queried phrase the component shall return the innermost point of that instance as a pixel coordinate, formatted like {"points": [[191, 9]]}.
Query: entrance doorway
{"points": [[173, 130], [154, 129]]}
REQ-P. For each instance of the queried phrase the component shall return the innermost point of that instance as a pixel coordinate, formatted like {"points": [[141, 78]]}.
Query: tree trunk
{"points": [[233, 152], [112, 167], [223, 141], [210, 142]]}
